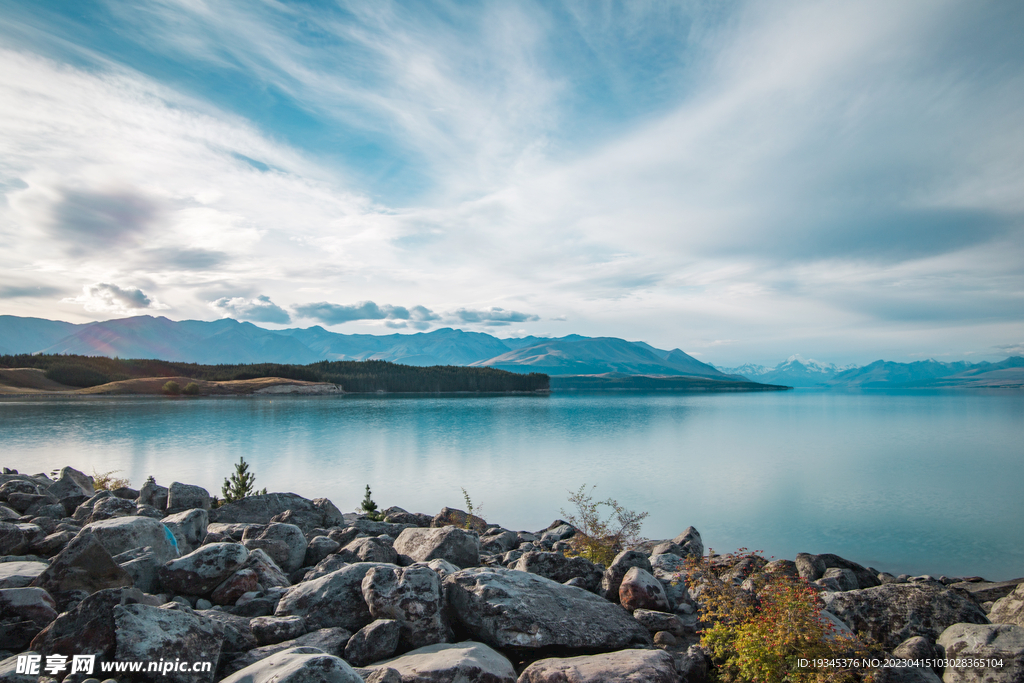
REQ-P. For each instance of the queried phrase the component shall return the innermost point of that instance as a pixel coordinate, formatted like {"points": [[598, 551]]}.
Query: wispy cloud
{"points": [[104, 297], [259, 310], [418, 317], [493, 317]]}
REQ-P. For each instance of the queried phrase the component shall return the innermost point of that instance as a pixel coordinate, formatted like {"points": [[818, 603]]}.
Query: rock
{"points": [[331, 563], [845, 578], [866, 578], [143, 566], [152, 634], [284, 543], [384, 674], [126, 492], [331, 641], [29, 503], [655, 621], [691, 542], [670, 571], [498, 541], [153, 495], [296, 665], [127, 533], [20, 574], [202, 570], [452, 663], [412, 596], [896, 611], [1009, 610], [24, 612], [83, 565], [440, 567], [319, 547], [188, 527], [87, 628], [558, 567], [234, 587], [626, 666], [615, 572], [374, 642], [270, 630], [458, 546], [667, 548], [783, 567], [372, 550], [916, 647], [984, 591], [52, 544], [12, 539], [368, 527], [268, 573], [640, 590], [521, 611], [234, 630], [110, 508], [8, 514], [332, 600], [307, 514], [810, 567], [984, 642], [455, 517], [182, 497]]}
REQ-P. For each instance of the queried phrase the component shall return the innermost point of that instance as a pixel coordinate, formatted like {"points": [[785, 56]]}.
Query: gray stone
{"points": [[284, 543], [233, 629], [268, 573], [331, 563], [464, 662], [270, 630], [319, 547], [235, 586], [331, 641], [1009, 610], [896, 611], [261, 509], [846, 579], [368, 527], [558, 567], [146, 633], [296, 665], [412, 596], [625, 666], [615, 572], [12, 539], [458, 546], [127, 533], [371, 549], [374, 642], [153, 495], [640, 590], [110, 508], [143, 566], [866, 578], [83, 565], [53, 543], [88, 627], [182, 497], [655, 621], [985, 591], [691, 543], [514, 610], [810, 567], [335, 599], [202, 570], [916, 647], [498, 541], [188, 527], [984, 642], [20, 574], [24, 612]]}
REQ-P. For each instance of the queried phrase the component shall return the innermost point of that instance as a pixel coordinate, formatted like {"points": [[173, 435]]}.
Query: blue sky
{"points": [[744, 181]]}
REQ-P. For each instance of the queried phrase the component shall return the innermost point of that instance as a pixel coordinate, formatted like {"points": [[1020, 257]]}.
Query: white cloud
{"points": [[104, 297], [259, 310]]}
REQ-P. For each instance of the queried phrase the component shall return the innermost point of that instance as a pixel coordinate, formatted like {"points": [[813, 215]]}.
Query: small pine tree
{"points": [[369, 507], [241, 483]]}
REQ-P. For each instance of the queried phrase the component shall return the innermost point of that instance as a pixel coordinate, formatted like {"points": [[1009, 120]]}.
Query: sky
{"points": [[741, 180]]}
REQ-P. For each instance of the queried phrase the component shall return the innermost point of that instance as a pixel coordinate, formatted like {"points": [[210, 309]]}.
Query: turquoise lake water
{"points": [[915, 482]]}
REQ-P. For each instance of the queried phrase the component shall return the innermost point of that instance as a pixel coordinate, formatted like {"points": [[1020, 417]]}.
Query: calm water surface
{"points": [[904, 482]]}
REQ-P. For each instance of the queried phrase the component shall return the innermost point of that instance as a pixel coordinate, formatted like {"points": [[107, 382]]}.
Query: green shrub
{"points": [[240, 484], [106, 481], [760, 635], [600, 540], [473, 521], [369, 507], [172, 388], [191, 389]]}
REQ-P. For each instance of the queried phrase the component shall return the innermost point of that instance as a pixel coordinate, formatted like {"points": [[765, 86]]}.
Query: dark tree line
{"points": [[353, 376]]}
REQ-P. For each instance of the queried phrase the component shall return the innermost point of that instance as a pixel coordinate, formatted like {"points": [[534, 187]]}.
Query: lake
{"points": [[913, 481]]}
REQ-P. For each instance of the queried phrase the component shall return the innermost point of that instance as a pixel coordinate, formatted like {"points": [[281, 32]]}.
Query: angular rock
{"points": [[9, 672], [234, 587], [127, 533], [151, 634], [413, 597], [234, 630], [368, 527], [616, 571], [284, 543], [985, 591], [188, 527], [111, 507], [332, 600], [521, 611], [452, 663], [12, 539], [1009, 610], [88, 628], [143, 566], [896, 611], [154, 495], [498, 541], [331, 563], [984, 642], [691, 542], [846, 579], [625, 666], [640, 590], [83, 565], [261, 509], [440, 567], [268, 573], [202, 570], [783, 567], [558, 567], [372, 550], [655, 621], [865, 577], [182, 497], [270, 630], [374, 642], [331, 641], [52, 544], [319, 547], [458, 546], [20, 574], [810, 567], [24, 612], [916, 647], [296, 665]]}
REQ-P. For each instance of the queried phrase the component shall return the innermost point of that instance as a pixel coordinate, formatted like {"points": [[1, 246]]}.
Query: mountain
{"points": [[28, 335], [440, 347], [592, 356], [795, 371], [920, 373]]}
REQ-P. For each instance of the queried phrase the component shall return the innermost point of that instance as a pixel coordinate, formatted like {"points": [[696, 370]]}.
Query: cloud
{"points": [[493, 317], [1010, 349], [175, 258], [418, 317], [28, 291], [259, 310], [104, 297]]}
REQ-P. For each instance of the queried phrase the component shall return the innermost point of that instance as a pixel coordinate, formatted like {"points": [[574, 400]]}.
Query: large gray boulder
{"points": [[640, 590], [111, 507], [865, 577], [625, 666], [616, 571], [306, 514], [558, 567], [88, 628], [182, 497], [983, 643], [127, 533], [331, 641], [268, 574], [1009, 610], [13, 539], [188, 527], [335, 599], [285, 543], [463, 662], [374, 642], [372, 549], [152, 634], [810, 567], [296, 665], [690, 542], [20, 574], [24, 612], [271, 630], [521, 611], [319, 547], [154, 495], [893, 612], [413, 597], [72, 488], [202, 570], [458, 546], [84, 564]]}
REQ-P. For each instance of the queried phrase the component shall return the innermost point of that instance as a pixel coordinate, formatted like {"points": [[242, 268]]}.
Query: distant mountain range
{"points": [[228, 341]]}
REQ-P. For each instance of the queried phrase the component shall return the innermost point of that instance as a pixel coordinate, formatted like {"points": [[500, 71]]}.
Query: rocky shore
{"points": [[277, 587]]}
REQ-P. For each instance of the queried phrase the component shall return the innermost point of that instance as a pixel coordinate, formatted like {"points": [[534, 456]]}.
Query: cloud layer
{"points": [[838, 180]]}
